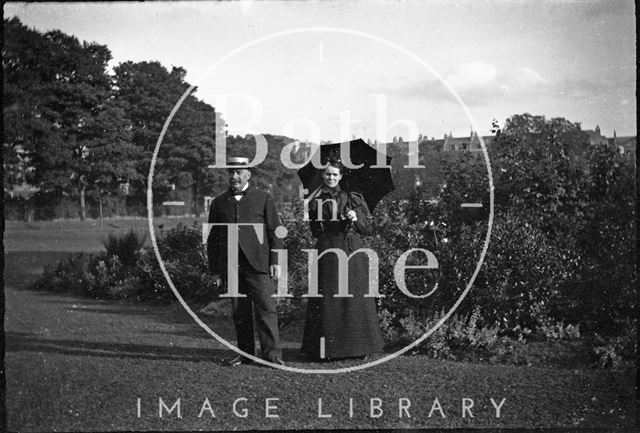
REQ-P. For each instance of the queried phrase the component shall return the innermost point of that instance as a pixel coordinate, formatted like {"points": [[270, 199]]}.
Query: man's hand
{"points": [[217, 280], [274, 272], [351, 215]]}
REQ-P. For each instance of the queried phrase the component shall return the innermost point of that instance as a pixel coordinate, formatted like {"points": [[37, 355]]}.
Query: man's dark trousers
{"points": [[255, 285]]}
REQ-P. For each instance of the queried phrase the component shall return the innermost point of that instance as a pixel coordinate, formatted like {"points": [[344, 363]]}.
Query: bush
{"points": [[126, 270], [458, 334], [610, 352], [298, 238], [388, 325], [290, 310], [523, 280], [16, 208], [152, 284], [561, 255], [68, 275], [184, 258], [125, 247], [525, 277]]}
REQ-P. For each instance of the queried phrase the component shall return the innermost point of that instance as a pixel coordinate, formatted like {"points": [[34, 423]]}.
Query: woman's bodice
{"points": [[331, 221]]}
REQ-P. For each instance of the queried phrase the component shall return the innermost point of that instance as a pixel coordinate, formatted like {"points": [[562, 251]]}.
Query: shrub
{"points": [[610, 352], [184, 258], [298, 238], [128, 287], [523, 279], [562, 246], [550, 329], [388, 325], [126, 270], [181, 242], [290, 310], [125, 247], [105, 272], [152, 284], [526, 275], [460, 333], [68, 275]]}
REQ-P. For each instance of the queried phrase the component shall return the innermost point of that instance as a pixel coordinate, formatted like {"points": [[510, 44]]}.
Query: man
{"points": [[257, 268]]}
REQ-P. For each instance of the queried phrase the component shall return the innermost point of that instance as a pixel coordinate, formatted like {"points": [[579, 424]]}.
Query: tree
{"points": [[562, 245], [108, 158], [539, 166], [60, 108], [150, 91], [608, 239]]}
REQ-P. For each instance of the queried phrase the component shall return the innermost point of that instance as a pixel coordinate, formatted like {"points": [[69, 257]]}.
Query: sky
{"points": [[334, 70]]}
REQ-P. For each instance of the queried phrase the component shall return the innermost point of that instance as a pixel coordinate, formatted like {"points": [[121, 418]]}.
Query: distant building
{"points": [[595, 137], [471, 143], [626, 145]]}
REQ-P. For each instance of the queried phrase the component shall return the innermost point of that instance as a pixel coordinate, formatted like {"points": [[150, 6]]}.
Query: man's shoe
{"points": [[239, 360], [278, 361]]}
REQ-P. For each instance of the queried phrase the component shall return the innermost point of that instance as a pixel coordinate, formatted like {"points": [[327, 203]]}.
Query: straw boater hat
{"points": [[238, 161]]}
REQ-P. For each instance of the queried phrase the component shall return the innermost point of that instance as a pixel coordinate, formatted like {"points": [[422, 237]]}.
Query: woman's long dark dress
{"points": [[350, 325]]}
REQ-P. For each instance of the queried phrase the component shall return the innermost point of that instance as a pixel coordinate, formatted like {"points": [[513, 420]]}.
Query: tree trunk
{"points": [[83, 208], [195, 198], [29, 211], [100, 206]]}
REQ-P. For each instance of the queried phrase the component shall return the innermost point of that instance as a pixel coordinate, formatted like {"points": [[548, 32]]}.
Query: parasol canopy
{"points": [[372, 182]]}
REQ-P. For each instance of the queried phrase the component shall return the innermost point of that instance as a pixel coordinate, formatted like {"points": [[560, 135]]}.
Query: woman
{"points": [[348, 326]]}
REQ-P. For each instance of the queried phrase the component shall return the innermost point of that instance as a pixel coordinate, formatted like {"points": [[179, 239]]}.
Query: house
{"points": [[471, 143], [626, 145], [595, 137]]}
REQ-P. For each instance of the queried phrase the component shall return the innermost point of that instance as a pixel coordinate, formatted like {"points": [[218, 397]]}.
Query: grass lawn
{"points": [[75, 364], [76, 235]]}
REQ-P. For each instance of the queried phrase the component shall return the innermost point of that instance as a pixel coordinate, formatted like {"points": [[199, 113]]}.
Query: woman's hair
{"points": [[335, 162]]}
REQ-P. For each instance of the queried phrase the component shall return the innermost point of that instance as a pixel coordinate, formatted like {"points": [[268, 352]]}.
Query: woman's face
{"points": [[331, 176]]}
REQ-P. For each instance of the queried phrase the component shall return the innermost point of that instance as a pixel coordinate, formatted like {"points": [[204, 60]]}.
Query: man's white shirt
{"points": [[239, 196]]}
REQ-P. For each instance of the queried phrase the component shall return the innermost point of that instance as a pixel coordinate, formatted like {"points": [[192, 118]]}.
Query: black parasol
{"points": [[372, 182]]}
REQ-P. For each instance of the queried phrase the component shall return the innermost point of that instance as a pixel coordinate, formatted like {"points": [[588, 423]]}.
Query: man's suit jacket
{"points": [[254, 207]]}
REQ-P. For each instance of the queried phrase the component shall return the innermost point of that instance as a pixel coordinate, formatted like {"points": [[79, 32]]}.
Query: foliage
{"points": [[560, 331], [389, 325], [50, 207], [290, 310], [61, 114], [68, 275], [298, 239], [124, 247], [562, 238], [127, 271], [104, 277], [608, 239], [184, 259], [611, 352], [150, 92], [560, 257], [525, 275], [457, 334], [83, 133]]}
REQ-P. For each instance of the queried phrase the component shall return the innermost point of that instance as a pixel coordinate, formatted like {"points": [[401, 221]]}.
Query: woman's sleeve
{"points": [[314, 225], [363, 224], [316, 228]]}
